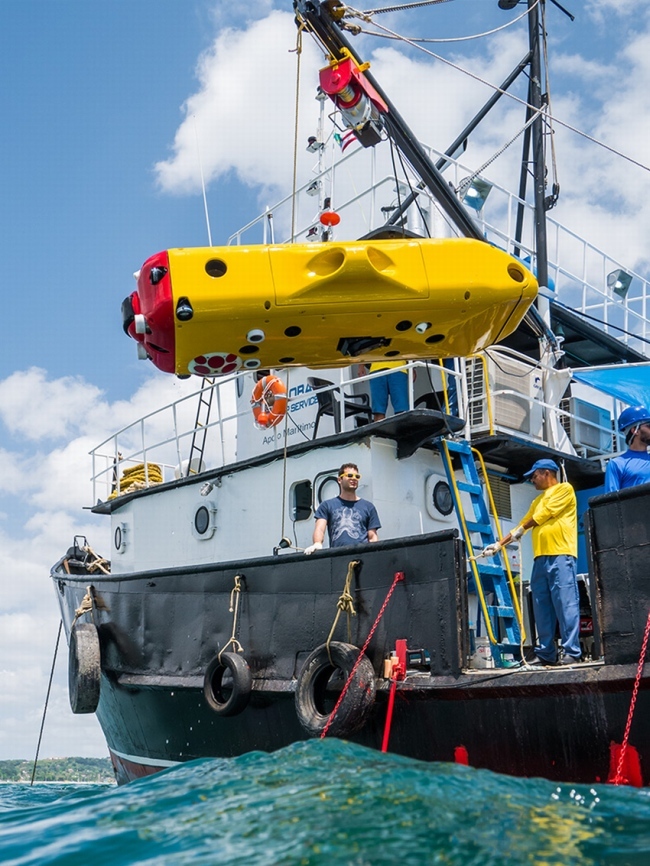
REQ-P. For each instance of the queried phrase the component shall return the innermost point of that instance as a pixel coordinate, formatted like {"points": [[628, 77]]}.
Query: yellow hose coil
{"points": [[137, 478]]}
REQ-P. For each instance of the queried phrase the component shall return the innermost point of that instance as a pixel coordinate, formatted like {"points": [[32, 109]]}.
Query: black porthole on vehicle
{"points": [[327, 488], [286, 360], [249, 350], [391, 354], [442, 498], [215, 268], [292, 331], [403, 325], [117, 538], [435, 338], [202, 520]]}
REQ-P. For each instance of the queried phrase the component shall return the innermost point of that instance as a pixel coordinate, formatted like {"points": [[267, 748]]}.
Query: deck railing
{"points": [[157, 447], [581, 276]]}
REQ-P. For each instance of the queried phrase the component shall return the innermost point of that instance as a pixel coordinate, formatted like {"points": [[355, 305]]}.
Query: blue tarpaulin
{"points": [[627, 382]]}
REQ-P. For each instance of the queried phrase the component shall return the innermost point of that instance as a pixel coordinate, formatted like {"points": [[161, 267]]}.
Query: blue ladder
{"points": [[490, 576]]}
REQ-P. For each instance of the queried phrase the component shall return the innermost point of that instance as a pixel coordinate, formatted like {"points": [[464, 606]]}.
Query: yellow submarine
{"points": [[212, 310]]}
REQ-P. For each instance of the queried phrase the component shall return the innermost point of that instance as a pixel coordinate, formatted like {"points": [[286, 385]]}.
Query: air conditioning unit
{"points": [[515, 389], [589, 427]]}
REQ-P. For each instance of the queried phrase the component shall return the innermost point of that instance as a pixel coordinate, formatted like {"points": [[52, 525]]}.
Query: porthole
{"points": [[119, 537], [204, 521], [438, 499], [327, 487], [442, 498]]}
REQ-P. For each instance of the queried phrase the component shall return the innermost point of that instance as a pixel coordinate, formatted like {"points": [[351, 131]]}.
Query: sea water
{"points": [[325, 802]]}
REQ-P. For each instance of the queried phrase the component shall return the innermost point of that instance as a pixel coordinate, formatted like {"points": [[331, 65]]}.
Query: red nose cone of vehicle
{"points": [[148, 313]]}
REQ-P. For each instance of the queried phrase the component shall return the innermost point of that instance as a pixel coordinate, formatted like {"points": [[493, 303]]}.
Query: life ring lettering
{"points": [[269, 402], [228, 698], [316, 696]]}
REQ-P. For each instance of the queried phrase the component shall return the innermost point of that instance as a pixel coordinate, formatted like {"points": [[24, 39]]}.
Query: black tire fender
{"points": [[84, 668], [242, 683], [312, 683]]}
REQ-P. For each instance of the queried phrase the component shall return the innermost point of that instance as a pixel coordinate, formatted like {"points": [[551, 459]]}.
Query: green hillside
{"points": [[98, 770]]}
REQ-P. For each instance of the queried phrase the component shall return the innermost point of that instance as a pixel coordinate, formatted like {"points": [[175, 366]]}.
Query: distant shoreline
{"points": [[79, 771]]}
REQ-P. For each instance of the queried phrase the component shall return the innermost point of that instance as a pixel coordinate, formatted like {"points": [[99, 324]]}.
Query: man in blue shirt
{"points": [[633, 466], [348, 518]]}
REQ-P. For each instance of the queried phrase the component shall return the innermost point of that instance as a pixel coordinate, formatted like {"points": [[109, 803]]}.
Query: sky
{"points": [[111, 111]]}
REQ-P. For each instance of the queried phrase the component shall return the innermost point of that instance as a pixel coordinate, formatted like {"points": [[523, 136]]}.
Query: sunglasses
{"points": [[350, 475]]}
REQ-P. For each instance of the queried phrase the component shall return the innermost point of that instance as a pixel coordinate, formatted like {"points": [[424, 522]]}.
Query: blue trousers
{"points": [[554, 588], [394, 385]]}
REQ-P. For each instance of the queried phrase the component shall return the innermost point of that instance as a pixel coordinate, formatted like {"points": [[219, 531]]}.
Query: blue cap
{"points": [[542, 464]]}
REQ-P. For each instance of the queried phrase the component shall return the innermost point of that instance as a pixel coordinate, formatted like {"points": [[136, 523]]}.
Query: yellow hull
{"points": [[325, 305]]}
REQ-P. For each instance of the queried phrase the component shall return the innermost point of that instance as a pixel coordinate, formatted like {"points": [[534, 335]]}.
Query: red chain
{"points": [[399, 575], [618, 778]]}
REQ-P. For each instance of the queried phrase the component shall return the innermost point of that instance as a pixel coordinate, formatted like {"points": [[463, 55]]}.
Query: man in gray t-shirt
{"points": [[348, 519]]}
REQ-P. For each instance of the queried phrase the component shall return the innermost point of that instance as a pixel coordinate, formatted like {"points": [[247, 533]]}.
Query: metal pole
{"points": [[539, 168], [318, 17], [523, 178], [461, 139]]}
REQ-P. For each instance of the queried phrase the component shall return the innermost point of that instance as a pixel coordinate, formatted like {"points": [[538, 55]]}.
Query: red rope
{"points": [[399, 575], [619, 778]]}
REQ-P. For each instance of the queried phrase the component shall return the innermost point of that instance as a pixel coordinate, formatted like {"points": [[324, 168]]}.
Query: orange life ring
{"points": [[269, 402]]}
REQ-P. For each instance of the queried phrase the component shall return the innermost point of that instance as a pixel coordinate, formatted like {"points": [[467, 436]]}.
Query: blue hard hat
{"points": [[632, 416], [542, 464]]}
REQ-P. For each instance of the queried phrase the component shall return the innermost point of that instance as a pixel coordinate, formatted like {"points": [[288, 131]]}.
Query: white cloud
{"points": [[243, 112], [42, 494], [36, 409]]}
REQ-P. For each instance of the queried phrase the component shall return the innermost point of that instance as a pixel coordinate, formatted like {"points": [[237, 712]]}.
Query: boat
{"points": [[207, 631]]}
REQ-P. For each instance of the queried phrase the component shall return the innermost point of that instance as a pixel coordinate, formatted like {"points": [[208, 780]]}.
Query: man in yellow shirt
{"points": [[553, 517]]}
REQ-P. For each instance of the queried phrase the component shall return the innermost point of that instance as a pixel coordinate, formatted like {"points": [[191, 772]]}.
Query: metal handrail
{"points": [[586, 291]]}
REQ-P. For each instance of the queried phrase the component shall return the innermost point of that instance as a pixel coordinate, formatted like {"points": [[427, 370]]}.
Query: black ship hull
{"points": [[159, 631]]}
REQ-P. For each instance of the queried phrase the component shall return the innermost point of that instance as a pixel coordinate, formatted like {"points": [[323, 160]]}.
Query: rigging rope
{"points": [[404, 6], [464, 184], [233, 608], [547, 85], [345, 603], [298, 51], [512, 96], [86, 606], [47, 698], [399, 575], [284, 459], [448, 39]]}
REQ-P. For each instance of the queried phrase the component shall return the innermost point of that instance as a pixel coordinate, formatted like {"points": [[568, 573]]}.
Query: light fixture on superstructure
{"points": [[474, 194], [619, 282]]}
